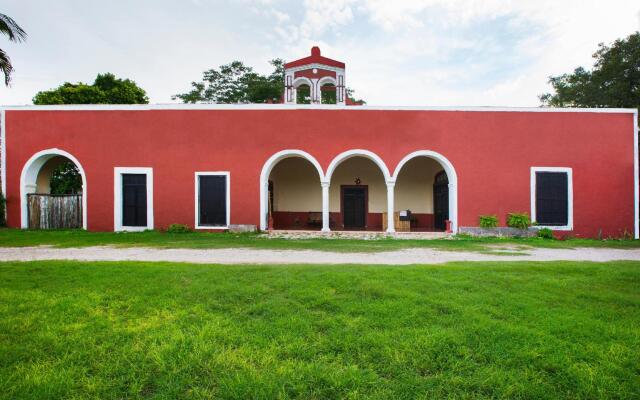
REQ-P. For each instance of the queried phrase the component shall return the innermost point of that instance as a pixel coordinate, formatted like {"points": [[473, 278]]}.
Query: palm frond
{"points": [[5, 67], [10, 28]]}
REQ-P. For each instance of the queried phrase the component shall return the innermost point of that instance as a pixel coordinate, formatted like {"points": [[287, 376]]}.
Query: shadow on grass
{"points": [[206, 240]]}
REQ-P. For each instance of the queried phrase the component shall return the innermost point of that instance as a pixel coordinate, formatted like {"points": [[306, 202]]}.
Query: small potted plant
{"points": [[489, 223], [520, 222], [545, 233]]}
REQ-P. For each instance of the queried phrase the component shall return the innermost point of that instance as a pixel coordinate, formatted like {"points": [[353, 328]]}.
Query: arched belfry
{"points": [[314, 80]]}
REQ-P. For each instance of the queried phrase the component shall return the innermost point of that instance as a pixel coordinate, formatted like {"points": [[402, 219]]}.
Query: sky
{"points": [[400, 52]]}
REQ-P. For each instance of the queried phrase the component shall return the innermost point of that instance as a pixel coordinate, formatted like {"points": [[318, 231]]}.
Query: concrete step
{"points": [[367, 235]]}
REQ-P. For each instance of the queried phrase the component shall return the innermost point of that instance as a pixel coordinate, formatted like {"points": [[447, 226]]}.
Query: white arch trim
{"points": [[358, 153], [29, 176], [302, 81], [451, 175], [266, 171], [327, 79], [324, 81]]}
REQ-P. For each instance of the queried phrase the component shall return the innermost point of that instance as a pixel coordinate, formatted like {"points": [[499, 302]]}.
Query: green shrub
{"points": [[519, 220], [178, 228], [3, 221], [488, 221], [545, 233]]}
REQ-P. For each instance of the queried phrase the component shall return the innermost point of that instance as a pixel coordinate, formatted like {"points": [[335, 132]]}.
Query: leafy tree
{"points": [[66, 179], [351, 94], [303, 94], [12, 30], [236, 83], [328, 94], [106, 89], [614, 80]]}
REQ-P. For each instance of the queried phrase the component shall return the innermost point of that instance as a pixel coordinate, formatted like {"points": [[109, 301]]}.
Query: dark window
{"points": [[552, 200], [212, 200], [134, 199]]}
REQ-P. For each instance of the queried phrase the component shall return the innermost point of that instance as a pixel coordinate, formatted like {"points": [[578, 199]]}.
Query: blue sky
{"points": [[401, 52]]}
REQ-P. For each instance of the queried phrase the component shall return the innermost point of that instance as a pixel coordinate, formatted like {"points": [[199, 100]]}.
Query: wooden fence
{"points": [[54, 211]]}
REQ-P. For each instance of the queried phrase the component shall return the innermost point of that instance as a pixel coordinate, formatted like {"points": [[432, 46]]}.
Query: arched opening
{"points": [[295, 195], [328, 93], [303, 91], [53, 191], [419, 195], [358, 191], [291, 194], [426, 192]]}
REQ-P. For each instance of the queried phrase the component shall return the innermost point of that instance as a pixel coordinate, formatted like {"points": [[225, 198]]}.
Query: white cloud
{"points": [[430, 52], [424, 37], [323, 15], [280, 16]]}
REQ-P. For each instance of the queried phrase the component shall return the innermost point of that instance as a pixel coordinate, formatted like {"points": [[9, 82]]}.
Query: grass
{"points": [[203, 240], [467, 330]]}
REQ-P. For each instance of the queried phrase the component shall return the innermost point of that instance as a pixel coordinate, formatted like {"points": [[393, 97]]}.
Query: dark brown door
{"points": [[354, 207], [213, 200], [134, 200], [441, 201]]}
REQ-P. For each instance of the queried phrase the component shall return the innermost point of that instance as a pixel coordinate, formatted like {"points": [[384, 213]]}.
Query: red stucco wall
{"points": [[492, 153]]}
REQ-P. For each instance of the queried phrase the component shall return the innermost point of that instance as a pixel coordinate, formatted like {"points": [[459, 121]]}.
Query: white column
{"points": [[289, 90], [453, 207], [390, 207], [315, 92], [325, 207], [340, 90]]}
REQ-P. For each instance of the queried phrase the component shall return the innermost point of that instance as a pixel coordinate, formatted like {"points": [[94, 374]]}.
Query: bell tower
{"points": [[314, 80]]}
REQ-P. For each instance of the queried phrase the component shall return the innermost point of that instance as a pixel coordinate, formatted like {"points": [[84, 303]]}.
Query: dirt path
{"points": [[254, 256]]}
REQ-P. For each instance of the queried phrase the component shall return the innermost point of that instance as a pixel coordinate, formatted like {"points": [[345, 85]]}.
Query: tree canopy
{"points": [[106, 89], [66, 179], [15, 33], [614, 80], [236, 83]]}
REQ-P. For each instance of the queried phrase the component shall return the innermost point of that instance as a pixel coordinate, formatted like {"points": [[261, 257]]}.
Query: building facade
{"points": [[328, 166]]}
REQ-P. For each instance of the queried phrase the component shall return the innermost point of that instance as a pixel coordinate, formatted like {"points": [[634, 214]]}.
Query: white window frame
{"points": [[569, 172], [117, 198], [196, 210]]}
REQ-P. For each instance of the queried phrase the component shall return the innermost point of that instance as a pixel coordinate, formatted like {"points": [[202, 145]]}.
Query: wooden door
{"points": [[354, 207], [212, 200], [441, 201], [134, 200]]}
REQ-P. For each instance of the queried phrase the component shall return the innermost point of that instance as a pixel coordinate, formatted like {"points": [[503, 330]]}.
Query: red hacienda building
{"points": [[322, 166]]}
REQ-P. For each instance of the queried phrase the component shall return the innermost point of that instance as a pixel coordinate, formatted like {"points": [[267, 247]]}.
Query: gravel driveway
{"points": [[254, 256]]}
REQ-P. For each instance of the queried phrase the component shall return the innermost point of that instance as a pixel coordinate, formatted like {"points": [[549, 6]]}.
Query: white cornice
{"points": [[314, 65], [242, 107]]}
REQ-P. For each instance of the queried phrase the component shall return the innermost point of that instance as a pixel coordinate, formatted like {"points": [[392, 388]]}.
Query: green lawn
{"points": [[202, 240], [474, 330]]}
